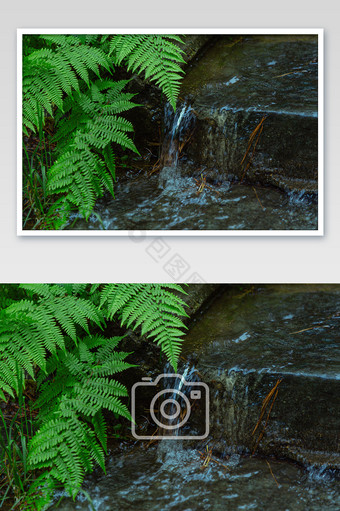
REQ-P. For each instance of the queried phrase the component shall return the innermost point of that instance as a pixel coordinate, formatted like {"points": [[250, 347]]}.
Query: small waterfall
{"points": [[180, 388], [178, 127], [169, 450]]}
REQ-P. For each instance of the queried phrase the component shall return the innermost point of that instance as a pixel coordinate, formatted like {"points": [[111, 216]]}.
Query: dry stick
{"points": [[263, 409], [258, 198], [259, 128], [265, 426], [252, 155], [265, 403], [246, 292], [208, 458], [252, 136], [314, 61], [270, 409], [155, 167], [230, 45], [152, 439], [286, 74], [270, 468], [203, 184], [292, 73], [310, 328], [249, 144], [331, 316], [186, 141]]}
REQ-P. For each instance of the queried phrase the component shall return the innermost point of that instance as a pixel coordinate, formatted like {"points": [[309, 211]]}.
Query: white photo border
{"points": [[227, 31]]}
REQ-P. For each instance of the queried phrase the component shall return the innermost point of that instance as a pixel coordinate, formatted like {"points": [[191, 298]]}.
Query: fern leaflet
{"points": [[157, 55]]}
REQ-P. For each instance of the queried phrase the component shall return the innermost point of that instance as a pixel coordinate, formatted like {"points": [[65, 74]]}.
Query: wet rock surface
{"points": [[194, 46], [238, 83], [172, 477], [244, 344], [198, 297], [178, 205], [248, 113], [241, 344]]}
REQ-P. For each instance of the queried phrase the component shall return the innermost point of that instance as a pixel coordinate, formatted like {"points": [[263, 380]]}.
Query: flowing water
{"points": [[254, 337], [176, 204], [171, 477], [231, 88], [246, 340]]}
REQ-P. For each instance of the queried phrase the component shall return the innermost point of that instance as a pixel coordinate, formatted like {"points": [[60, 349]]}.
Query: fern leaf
{"points": [[31, 329], [73, 432], [50, 72], [151, 306], [156, 55], [85, 168]]}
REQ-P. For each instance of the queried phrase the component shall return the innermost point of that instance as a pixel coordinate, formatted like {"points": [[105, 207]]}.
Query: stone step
{"points": [[245, 343], [234, 85]]}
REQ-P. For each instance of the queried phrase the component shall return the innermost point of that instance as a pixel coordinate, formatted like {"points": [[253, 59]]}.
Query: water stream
{"points": [[171, 477], [231, 88], [178, 205], [246, 340]]}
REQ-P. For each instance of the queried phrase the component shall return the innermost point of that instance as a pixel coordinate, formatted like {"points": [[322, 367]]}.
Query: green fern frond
{"points": [[65, 444], [80, 290], [8, 375], [42, 333], [73, 432], [41, 290], [156, 55], [40, 493], [51, 72], [33, 328], [153, 307], [99, 426], [86, 165], [59, 81]]}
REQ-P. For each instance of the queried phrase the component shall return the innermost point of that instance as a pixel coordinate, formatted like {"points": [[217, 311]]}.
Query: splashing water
{"points": [[178, 126], [146, 480], [180, 389], [171, 475], [204, 142]]}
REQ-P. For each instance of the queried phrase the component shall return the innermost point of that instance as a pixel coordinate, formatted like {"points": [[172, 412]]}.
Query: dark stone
{"points": [[199, 296], [245, 343], [237, 84], [147, 119], [303, 424], [195, 45]]}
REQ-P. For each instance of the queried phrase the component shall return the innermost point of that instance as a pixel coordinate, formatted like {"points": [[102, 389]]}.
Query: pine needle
{"points": [[271, 396]]}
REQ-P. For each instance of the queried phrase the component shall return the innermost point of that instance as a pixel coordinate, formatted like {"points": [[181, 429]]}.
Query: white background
{"points": [[241, 259]]}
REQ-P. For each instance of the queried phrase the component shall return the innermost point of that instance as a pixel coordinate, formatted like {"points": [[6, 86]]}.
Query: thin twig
{"points": [[256, 133], [274, 392], [258, 198], [306, 329], [203, 184], [270, 468], [331, 316], [207, 458], [265, 403]]}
